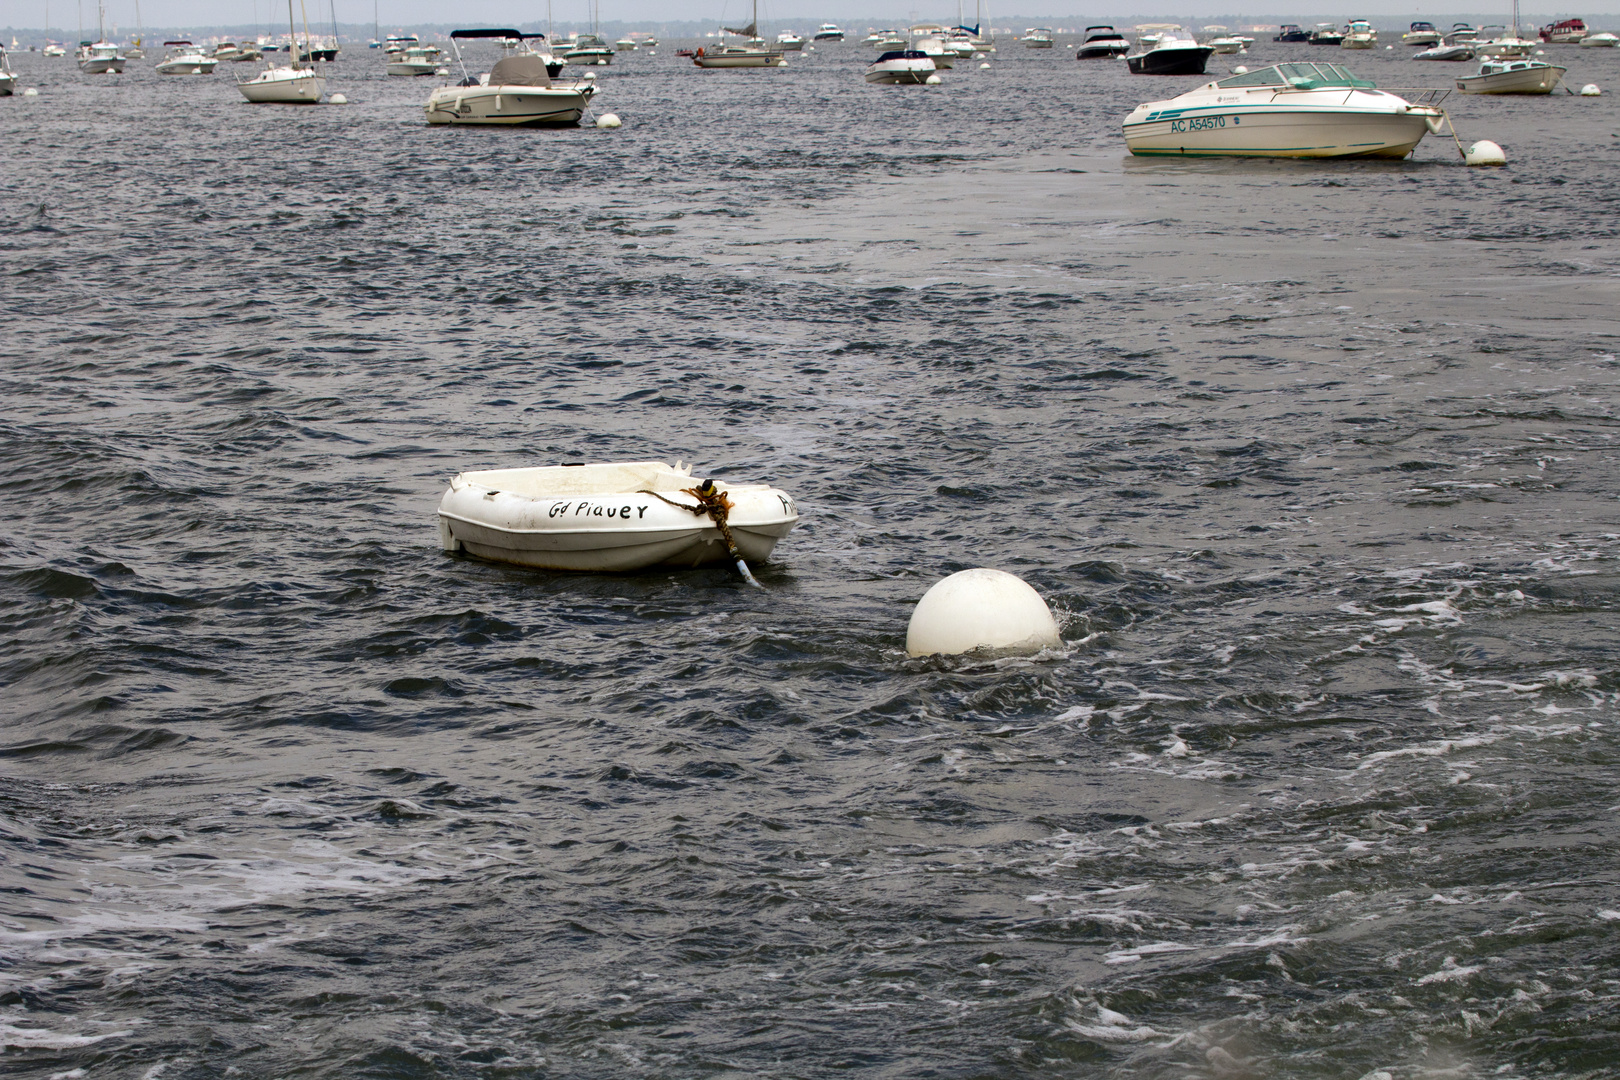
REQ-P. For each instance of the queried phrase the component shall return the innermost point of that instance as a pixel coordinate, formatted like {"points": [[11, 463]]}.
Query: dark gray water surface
{"points": [[1316, 462]]}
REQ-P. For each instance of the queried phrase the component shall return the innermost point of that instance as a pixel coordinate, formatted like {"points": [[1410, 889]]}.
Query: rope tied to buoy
{"points": [[714, 502]]}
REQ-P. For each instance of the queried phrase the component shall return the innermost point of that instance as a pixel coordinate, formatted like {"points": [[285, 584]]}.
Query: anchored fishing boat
{"points": [[611, 516]]}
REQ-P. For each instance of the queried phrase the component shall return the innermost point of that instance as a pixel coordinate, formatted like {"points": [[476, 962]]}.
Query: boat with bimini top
{"points": [[517, 91], [610, 517], [1286, 110]]}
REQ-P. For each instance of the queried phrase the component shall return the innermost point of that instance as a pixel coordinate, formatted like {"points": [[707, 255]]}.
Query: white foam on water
{"points": [[13, 1037]]}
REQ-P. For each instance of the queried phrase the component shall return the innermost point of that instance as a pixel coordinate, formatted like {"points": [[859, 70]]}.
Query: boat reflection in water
{"points": [[1286, 110]]}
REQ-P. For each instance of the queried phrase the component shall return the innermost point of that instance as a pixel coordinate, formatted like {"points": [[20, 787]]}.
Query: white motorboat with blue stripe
{"points": [[1286, 110]]}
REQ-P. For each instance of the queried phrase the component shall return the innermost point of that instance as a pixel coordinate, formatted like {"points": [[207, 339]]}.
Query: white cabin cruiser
{"points": [[1422, 34], [101, 58], [829, 32], [1286, 110], [1600, 40], [1037, 37], [413, 61], [1446, 52], [518, 90], [1512, 75], [1102, 42], [790, 42], [1499, 41], [1166, 49], [1222, 41], [902, 67], [184, 58], [609, 517], [1359, 35]]}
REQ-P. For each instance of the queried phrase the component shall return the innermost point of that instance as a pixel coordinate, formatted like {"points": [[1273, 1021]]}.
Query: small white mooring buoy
{"points": [[781, 63], [338, 99], [1485, 152], [981, 608], [30, 92], [932, 80], [1240, 70], [608, 120], [589, 75], [984, 66], [1591, 90]]}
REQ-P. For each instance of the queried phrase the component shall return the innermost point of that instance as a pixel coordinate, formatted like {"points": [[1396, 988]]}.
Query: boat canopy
{"points": [[1300, 76], [505, 35], [521, 70], [901, 54], [168, 44]]}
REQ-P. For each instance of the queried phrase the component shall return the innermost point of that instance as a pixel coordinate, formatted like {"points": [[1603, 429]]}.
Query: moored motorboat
{"points": [[1568, 32], [589, 49], [625, 44], [1600, 40], [1326, 34], [519, 89], [1422, 34], [1512, 75], [1037, 37], [1286, 110], [607, 517], [1222, 41], [1359, 35], [1292, 32], [1167, 49], [1102, 42], [8, 79], [1498, 40], [790, 42], [413, 61], [901, 67], [829, 32], [1446, 52], [184, 58]]}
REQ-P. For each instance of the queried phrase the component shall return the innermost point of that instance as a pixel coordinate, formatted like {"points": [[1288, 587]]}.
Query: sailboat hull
{"points": [[305, 89], [748, 58]]}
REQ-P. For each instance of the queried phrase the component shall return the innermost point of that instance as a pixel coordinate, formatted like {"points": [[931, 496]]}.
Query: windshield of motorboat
{"points": [[902, 54], [1299, 76]]}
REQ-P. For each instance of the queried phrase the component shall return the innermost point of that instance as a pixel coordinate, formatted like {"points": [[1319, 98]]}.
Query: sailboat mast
{"points": [[292, 37]]}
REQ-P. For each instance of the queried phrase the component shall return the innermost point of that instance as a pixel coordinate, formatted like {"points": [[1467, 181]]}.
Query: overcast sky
{"points": [[179, 13]]}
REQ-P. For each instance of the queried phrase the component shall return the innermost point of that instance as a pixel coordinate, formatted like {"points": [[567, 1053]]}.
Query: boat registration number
{"points": [[1197, 123]]}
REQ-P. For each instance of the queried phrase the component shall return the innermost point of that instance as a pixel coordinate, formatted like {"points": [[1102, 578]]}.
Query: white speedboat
{"points": [[608, 517], [931, 41], [1102, 43], [789, 42], [398, 43], [415, 60], [1359, 35], [1326, 34], [1512, 75], [885, 40], [1037, 37], [184, 58], [1286, 110], [1446, 52], [829, 32], [1600, 40], [8, 81], [1422, 34], [54, 49], [901, 67], [625, 45], [100, 57], [1222, 41], [1167, 49], [1500, 41], [589, 50], [517, 91]]}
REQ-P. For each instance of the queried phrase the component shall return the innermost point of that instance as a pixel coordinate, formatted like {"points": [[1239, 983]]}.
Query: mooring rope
{"points": [[713, 502]]}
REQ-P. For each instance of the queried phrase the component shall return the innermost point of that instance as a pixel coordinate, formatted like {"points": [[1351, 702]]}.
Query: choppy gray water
{"points": [[1316, 462]]}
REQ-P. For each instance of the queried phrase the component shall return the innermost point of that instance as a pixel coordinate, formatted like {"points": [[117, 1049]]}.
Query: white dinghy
{"points": [[611, 516]]}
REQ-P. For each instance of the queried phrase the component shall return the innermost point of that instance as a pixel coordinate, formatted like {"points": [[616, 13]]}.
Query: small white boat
{"points": [[1037, 37], [1102, 42], [935, 47], [184, 58], [101, 58], [789, 42], [1299, 110], [290, 85], [1499, 41], [829, 32], [519, 90], [589, 50], [1422, 35], [53, 49], [1221, 41], [1600, 40], [413, 61], [8, 81], [607, 517], [1512, 75], [886, 39], [1359, 35], [1166, 49], [901, 67], [625, 45], [1446, 52], [398, 43]]}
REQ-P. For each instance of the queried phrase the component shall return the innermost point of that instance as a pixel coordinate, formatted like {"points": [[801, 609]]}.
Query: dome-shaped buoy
{"points": [[1389, 48], [608, 120], [1485, 152], [1591, 90], [589, 75], [441, 71], [1240, 70], [977, 56], [981, 608], [932, 80], [338, 99], [985, 66], [781, 63], [30, 92]]}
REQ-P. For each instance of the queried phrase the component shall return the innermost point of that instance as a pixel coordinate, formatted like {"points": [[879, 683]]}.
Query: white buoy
{"points": [[1591, 90], [30, 92], [932, 80], [781, 63], [338, 99], [984, 67], [608, 120], [1389, 48], [441, 71], [589, 75], [1240, 70], [981, 608], [1485, 152]]}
